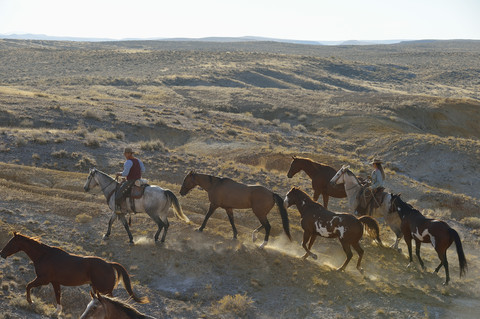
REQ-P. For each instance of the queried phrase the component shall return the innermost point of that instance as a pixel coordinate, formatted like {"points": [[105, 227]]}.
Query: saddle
{"points": [[136, 191], [368, 201]]}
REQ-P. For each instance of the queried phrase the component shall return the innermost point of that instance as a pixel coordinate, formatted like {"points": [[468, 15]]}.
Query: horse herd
{"points": [[54, 265]]}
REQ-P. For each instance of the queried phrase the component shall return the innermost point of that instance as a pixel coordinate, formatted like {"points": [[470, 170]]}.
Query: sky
{"points": [[312, 20]]}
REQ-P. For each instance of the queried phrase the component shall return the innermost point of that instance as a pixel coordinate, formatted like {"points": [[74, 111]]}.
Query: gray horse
{"points": [[155, 202], [353, 188]]}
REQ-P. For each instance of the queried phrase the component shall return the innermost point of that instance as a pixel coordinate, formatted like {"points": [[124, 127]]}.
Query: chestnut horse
{"points": [[320, 175], [228, 194], [427, 230], [102, 307], [317, 220], [56, 266]]}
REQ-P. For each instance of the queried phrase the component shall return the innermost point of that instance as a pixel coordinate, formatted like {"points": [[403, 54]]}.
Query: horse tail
{"points": [[177, 208], [371, 227], [123, 275], [283, 213], [461, 255]]}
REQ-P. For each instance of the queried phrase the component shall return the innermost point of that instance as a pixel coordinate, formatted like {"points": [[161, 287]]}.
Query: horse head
{"points": [[13, 246], [339, 176], [90, 177], [188, 183], [294, 196], [294, 167]]}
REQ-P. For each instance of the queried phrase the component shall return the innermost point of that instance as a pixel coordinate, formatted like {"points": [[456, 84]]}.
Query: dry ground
{"points": [[239, 110]]}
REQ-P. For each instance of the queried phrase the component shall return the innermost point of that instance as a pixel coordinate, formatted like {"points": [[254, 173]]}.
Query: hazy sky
{"points": [[293, 19]]}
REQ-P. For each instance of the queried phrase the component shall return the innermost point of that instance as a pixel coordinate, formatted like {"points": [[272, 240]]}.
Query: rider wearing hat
{"points": [[372, 195], [133, 169]]}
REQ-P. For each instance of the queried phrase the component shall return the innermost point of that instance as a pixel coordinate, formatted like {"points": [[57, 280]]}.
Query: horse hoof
{"points": [[360, 270], [314, 256], [105, 237], [199, 230], [131, 242]]}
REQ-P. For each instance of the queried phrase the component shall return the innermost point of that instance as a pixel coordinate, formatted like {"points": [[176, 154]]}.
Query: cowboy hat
{"points": [[128, 150]]}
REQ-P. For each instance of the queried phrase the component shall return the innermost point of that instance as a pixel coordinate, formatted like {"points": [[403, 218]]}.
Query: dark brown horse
{"points": [[228, 194], [427, 230], [317, 220], [54, 265], [321, 175]]}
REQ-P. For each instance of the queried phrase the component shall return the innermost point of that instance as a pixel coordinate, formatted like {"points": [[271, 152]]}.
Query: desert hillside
{"points": [[240, 110]]}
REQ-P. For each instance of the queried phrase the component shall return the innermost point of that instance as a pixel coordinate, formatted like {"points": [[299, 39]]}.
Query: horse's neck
{"points": [[107, 184], [352, 188], [33, 249], [205, 181], [309, 168]]}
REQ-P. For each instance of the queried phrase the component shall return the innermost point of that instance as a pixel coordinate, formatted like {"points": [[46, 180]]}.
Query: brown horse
{"points": [[54, 265], [427, 230], [321, 175], [102, 307], [228, 194], [317, 220]]}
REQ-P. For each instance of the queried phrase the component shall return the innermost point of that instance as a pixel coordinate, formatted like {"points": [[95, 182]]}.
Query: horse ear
{"points": [[294, 156]]}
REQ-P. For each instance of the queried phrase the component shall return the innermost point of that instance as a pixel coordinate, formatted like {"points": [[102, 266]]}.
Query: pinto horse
{"points": [[228, 194], [427, 230], [317, 220], [56, 266], [353, 188], [155, 202], [102, 307], [320, 175]]}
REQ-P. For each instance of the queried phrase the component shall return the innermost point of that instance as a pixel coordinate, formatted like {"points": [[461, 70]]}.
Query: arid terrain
{"points": [[240, 110]]}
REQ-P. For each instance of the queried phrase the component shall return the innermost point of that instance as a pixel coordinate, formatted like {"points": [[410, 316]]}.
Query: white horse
{"points": [[155, 202], [353, 188]]}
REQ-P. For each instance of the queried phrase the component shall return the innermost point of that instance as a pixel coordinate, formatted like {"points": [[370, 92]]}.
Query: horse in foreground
{"points": [[155, 202], [317, 220], [102, 307], [56, 266], [353, 188], [427, 230], [228, 194], [320, 174]]}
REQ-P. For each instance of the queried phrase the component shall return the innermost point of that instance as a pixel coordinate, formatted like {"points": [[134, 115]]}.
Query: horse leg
{"points": [[306, 237], [125, 224], [230, 218], [254, 233], [316, 195], [417, 252], [211, 209], [443, 262], [267, 227], [408, 241], [360, 252], [35, 283], [325, 200], [165, 228], [110, 223], [56, 289], [348, 252]]}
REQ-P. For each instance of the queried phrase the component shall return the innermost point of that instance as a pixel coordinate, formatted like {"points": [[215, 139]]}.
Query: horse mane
{"points": [[125, 306], [103, 173], [406, 207], [311, 161], [349, 172]]}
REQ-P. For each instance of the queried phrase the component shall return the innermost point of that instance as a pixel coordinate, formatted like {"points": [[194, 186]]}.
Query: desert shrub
{"points": [[237, 305], [472, 222], [20, 141], [83, 218], [92, 142], [89, 114], [60, 154], [40, 140], [86, 162], [26, 123], [35, 156], [155, 145]]}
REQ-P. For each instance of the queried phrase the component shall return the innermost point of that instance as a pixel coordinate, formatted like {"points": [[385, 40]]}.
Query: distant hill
{"points": [[205, 39]]}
